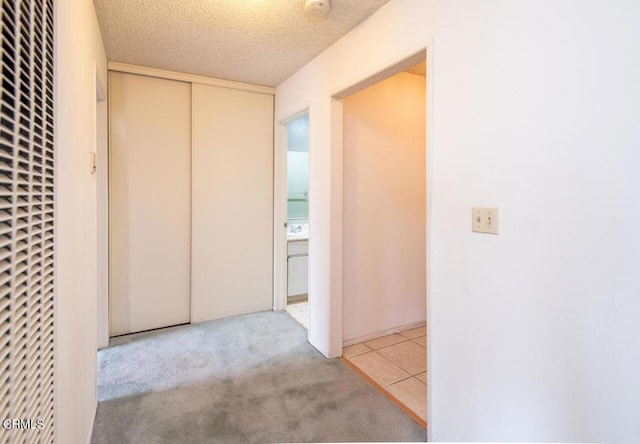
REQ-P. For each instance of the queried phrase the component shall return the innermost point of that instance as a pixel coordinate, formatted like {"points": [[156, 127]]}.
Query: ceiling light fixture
{"points": [[317, 8]]}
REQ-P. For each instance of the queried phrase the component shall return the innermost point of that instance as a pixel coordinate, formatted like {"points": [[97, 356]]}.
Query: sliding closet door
{"points": [[150, 202], [232, 202]]}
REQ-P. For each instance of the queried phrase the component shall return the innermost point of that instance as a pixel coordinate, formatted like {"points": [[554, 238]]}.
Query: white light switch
{"points": [[484, 220]]}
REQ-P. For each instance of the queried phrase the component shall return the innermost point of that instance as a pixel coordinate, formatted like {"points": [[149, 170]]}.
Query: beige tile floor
{"points": [[300, 312], [397, 363]]}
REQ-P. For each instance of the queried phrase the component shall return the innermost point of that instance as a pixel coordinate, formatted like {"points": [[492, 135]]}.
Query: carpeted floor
{"points": [[248, 379]]}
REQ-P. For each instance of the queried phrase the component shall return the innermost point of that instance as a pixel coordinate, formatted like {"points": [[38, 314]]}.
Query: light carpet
{"points": [[247, 379]]}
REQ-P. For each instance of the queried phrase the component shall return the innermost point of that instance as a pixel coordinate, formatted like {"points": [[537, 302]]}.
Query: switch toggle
{"points": [[484, 220]]}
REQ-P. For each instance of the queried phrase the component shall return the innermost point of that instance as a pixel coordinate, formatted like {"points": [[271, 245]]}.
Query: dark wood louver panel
{"points": [[26, 220]]}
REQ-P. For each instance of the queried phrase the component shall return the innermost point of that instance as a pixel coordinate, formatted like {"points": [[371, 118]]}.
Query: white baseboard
{"points": [[379, 334]]}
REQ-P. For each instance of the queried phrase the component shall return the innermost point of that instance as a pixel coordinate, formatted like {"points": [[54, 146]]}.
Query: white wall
{"points": [[78, 47], [534, 333], [384, 250]]}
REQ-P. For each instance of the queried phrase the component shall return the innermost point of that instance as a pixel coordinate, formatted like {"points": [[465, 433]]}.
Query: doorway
{"points": [[384, 268], [297, 294]]}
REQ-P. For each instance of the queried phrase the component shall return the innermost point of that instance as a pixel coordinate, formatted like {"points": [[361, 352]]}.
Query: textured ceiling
{"points": [[255, 41]]}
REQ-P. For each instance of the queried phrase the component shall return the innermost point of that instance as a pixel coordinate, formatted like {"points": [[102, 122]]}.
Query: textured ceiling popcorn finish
{"points": [[254, 41]]}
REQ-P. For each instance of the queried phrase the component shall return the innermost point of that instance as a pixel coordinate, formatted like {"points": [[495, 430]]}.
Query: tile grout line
{"points": [[395, 343], [386, 359], [385, 388], [386, 393], [398, 382], [398, 365], [386, 346], [358, 354]]}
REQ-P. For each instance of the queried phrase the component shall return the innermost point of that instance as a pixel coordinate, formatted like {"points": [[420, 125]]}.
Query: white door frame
{"points": [[333, 323], [389, 70], [424, 53], [280, 148]]}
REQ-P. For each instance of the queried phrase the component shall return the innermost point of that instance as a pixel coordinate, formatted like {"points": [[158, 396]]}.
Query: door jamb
{"points": [[399, 64], [280, 210]]}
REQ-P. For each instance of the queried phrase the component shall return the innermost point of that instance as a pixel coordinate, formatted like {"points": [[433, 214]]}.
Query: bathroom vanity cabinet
{"points": [[297, 268]]}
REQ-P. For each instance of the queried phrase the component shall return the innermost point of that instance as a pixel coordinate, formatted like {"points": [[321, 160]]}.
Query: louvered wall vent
{"points": [[26, 222]]}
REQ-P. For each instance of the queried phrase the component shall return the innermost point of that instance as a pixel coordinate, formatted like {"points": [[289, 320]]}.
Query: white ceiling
{"points": [[254, 41]]}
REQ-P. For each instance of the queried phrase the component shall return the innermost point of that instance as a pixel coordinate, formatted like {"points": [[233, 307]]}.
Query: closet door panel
{"points": [[232, 202], [150, 202]]}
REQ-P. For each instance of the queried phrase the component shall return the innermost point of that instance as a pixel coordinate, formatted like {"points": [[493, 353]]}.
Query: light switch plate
{"points": [[484, 220]]}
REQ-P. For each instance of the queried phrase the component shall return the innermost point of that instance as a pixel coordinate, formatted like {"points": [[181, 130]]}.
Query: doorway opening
{"points": [[298, 219], [384, 229]]}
